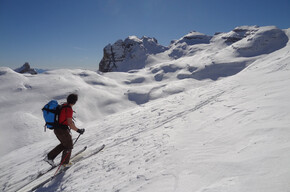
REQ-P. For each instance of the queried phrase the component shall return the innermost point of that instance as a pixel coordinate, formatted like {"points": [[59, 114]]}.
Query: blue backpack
{"points": [[51, 112]]}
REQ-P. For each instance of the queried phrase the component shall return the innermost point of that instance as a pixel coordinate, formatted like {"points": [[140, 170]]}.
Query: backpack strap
{"points": [[48, 110]]}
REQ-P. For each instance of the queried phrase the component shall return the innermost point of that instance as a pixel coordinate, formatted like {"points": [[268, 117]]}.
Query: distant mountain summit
{"points": [[26, 69], [244, 41], [129, 54]]}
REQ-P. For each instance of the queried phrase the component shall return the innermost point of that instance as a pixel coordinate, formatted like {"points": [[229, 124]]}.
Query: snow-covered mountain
{"points": [[245, 41], [205, 114]]}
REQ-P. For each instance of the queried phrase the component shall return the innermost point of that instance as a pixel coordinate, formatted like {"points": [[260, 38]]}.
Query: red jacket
{"points": [[66, 112]]}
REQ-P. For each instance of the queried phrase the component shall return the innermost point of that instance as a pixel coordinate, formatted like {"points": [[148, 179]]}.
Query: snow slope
{"points": [[165, 127]]}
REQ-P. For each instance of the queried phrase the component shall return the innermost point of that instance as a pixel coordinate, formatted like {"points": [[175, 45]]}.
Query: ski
{"points": [[42, 173], [50, 175], [52, 167], [78, 158]]}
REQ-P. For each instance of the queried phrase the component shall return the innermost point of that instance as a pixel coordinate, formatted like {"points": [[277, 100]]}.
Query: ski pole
{"points": [[77, 139]]}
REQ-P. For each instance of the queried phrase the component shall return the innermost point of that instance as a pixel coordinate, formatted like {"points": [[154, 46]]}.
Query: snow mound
{"points": [[262, 41]]}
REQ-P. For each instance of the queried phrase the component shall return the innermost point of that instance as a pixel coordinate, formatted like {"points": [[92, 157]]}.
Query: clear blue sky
{"points": [[73, 33]]}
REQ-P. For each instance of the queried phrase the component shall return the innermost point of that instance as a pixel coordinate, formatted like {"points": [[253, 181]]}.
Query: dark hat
{"points": [[72, 99]]}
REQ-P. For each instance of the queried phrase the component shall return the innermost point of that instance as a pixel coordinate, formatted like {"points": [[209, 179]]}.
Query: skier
{"points": [[63, 133]]}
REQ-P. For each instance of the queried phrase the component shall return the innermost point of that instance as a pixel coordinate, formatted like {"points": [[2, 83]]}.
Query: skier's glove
{"points": [[81, 131]]}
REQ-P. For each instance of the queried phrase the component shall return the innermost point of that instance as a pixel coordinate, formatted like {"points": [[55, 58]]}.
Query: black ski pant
{"points": [[65, 146]]}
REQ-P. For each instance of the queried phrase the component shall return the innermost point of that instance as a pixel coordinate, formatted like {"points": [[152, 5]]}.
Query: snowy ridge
{"points": [[165, 128], [245, 41]]}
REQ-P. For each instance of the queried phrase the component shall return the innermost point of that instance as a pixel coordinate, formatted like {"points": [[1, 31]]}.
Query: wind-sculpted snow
{"points": [[212, 121], [215, 71], [263, 41], [193, 38]]}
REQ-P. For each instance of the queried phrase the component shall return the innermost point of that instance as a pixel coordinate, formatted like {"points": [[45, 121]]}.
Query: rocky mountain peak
{"points": [[25, 68], [128, 54]]}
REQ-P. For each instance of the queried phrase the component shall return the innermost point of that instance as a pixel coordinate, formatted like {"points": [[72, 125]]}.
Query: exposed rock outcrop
{"points": [[129, 54]]}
